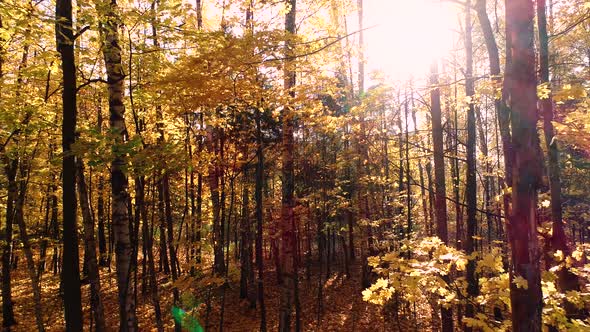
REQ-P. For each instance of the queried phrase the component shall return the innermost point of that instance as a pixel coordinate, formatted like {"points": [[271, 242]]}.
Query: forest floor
{"points": [[343, 307]]}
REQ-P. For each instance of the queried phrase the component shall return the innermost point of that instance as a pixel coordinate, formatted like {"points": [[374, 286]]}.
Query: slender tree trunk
{"points": [[100, 213], [526, 301], [567, 280], [120, 217], [246, 271], [259, 220], [24, 237], [213, 179], [90, 248], [502, 110], [439, 179], [471, 183], [10, 168], [71, 273], [288, 236], [149, 242]]}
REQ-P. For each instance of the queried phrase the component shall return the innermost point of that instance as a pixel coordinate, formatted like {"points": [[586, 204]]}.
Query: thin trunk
{"points": [[471, 182], [103, 260], [148, 242], [502, 110], [213, 180], [71, 270], [439, 178], [259, 220], [120, 217], [287, 225], [247, 272], [90, 247], [24, 237], [10, 169], [567, 280]]}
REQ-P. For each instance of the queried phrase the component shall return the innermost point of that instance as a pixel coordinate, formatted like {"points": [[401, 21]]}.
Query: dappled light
{"points": [[295, 165]]}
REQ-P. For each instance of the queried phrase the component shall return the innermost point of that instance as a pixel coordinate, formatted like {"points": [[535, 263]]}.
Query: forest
{"points": [[295, 165]]}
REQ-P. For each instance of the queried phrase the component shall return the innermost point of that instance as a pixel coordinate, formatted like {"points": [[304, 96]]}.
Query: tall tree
{"points": [[288, 235], [440, 203], [259, 218], [120, 198], [64, 32], [526, 299], [567, 280], [90, 247], [471, 184]]}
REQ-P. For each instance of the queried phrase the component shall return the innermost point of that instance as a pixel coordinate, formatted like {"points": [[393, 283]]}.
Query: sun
{"points": [[408, 35]]}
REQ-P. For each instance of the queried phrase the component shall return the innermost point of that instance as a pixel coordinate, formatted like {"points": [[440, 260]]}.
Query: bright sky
{"points": [[408, 36]]}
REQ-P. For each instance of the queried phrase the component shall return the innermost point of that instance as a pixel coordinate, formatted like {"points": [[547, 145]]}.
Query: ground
{"points": [[343, 308]]}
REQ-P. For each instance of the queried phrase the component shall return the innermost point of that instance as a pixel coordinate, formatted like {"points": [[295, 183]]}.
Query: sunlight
{"points": [[408, 35]]}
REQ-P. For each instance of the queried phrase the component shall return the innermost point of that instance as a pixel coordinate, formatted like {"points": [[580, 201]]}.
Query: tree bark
{"points": [[119, 195], [471, 183], [259, 219], [526, 301], [24, 171], [90, 249], [566, 279], [10, 169], [71, 271], [287, 227], [440, 203]]}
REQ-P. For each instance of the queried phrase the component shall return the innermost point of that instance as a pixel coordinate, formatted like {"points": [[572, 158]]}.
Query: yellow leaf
{"points": [[521, 282]]}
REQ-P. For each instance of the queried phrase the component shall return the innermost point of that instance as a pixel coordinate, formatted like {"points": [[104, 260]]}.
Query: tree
{"points": [[64, 32], [471, 180], [440, 202], [120, 217], [288, 236], [526, 299]]}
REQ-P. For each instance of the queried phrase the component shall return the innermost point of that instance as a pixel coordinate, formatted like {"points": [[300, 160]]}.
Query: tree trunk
{"points": [[120, 216], [100, 214], [567, 281], [471, 183], [71, 270], [213, 180], [287, 225], [440, 202], [90, 249], [502, 110], [10, 168], [526, 301], [259, 220]]}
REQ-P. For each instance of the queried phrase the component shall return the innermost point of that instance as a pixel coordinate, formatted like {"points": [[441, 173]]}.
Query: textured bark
{"points": [[246, 270], [502, 110], [71, 273], [90, 249], [148, 250], [119, 195], [423, 198], [10, 169], [100, 213], [526, 302], [287, 225], [440, 203], [259, 220], [471, 183], [213, 181], [567, 281], [27, 249]]}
